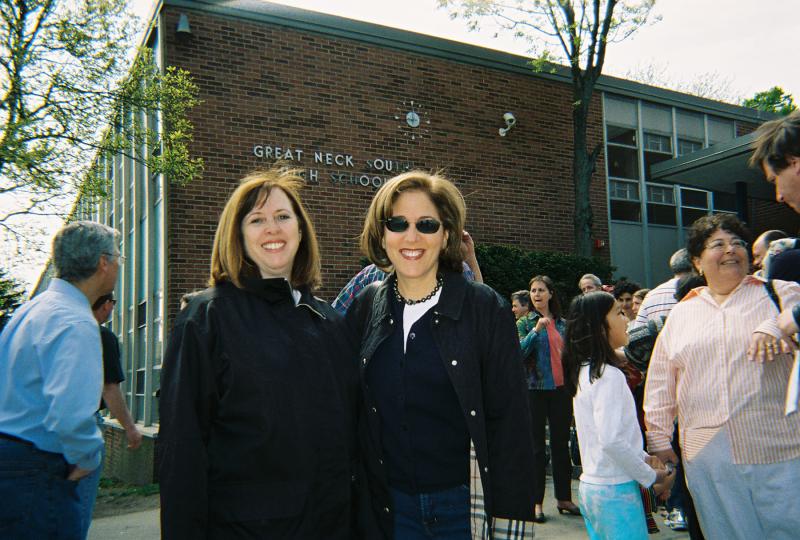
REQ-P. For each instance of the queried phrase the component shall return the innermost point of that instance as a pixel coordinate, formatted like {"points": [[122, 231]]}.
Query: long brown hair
{"points": [[586, 338], [553, 304], [229, 261]]}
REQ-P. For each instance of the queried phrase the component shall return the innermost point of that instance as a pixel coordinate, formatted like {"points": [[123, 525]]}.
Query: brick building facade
{"points": [[308, 93]]}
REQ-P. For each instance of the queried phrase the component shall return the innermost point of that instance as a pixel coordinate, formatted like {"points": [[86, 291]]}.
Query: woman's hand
{"points": [[666, 456], [787, 323], [764, 347], [655, 463], [542, 324], [665, 478]]}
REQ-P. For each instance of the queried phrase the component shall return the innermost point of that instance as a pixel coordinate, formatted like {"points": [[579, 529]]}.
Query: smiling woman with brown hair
{"points": [[258, 390], [739, 449]]}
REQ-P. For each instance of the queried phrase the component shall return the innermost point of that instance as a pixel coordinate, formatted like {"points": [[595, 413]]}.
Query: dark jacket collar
{"points": [[450, 302], [278, 290]]}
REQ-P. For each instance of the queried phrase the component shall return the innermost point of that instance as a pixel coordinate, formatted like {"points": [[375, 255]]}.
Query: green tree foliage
{"points": [[65, 76], [507, 269], [12, 295], [774, 100], [576, 32]]}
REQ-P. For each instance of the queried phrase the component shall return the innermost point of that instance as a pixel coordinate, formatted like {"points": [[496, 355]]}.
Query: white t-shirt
{"points": [[608, 432], [414, 312]]}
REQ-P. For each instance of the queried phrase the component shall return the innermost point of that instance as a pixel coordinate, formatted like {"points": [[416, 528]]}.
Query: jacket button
{"points": [[471, 413], [380, 461], [364, 361], [376, 410], [454, 362], [435, 321], [486, 469], [386, 509], [391, 321]]}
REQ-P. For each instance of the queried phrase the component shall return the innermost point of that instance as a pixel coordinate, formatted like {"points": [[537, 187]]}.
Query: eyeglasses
{"points": [[721, 245], [120, 257], [398, 224]]}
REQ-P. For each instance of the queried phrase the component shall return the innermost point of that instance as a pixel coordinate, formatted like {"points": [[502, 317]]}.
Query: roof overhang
{"points": [[718, 168]]}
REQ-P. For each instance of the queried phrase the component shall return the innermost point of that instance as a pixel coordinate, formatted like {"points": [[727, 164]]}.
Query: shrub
{"points": [[507, 269]]}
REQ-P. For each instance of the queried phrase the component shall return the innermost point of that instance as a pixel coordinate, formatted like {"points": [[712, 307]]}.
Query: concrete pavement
{"points": [[144, 525]]}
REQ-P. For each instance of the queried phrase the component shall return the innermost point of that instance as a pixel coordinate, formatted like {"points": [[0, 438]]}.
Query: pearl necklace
{"points": [[406, 301]]}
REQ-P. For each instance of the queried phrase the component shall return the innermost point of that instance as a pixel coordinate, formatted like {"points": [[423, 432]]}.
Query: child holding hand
{"points": [[614, 462]]}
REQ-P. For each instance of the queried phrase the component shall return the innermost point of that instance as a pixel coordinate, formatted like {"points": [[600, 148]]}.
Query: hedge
{"points": [[507, 269]]}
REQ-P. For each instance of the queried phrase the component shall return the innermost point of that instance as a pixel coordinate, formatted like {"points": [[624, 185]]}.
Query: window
{"points": [[661, 205], [624, 200], [690, 125], [627, 191], [660, 194], [623, 162], [724, 202], [621, 111], [720, 130], [625, 136], [658, 143], [657, 148], [687, 146], [694, 205]]}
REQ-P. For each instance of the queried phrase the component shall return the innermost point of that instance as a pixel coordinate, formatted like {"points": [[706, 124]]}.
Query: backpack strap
{"points": [[773, 295]]}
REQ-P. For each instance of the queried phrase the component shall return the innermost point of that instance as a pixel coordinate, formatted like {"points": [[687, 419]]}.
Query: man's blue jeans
{"points": [[442, 515], [87, 487], [36, 499]]}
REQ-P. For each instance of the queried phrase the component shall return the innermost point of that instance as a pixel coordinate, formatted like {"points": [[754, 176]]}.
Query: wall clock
{"points": [[413, 119]]}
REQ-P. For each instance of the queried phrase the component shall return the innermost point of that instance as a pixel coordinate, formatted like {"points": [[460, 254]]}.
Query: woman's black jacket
{"points": [[257, 416], [477, 341]]}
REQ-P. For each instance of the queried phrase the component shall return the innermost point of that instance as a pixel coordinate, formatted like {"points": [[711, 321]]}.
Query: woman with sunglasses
{"points": [[441, 372]]}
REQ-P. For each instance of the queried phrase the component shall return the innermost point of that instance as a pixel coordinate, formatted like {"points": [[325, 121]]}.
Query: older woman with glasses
{"points": [[720, 367], [441, 372], [259, 389]]}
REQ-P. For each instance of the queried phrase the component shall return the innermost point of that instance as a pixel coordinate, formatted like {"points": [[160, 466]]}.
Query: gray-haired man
{"points": [[659, 301], [51, 361]]}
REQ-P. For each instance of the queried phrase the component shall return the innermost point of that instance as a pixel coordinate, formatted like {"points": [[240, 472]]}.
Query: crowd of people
{"points": [[421, 404]]}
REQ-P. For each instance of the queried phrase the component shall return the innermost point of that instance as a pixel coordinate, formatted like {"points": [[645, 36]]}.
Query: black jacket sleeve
{"points": [[507, 417], [187, 404]]}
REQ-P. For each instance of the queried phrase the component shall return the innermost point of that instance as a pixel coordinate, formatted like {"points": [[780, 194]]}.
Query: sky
{"points": [[750, 43], [746, 45]]}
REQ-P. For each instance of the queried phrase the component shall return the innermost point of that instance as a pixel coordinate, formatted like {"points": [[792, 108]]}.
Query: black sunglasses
{"points": [[400, 224]]}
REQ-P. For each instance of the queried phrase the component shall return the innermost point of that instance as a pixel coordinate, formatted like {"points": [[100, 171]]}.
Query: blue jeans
{"points": [[442, 515], [87, 487], [36, 499]]}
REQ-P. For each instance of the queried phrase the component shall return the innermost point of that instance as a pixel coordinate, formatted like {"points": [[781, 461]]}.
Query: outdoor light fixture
{"points": [[183, 25], [510, 121]]}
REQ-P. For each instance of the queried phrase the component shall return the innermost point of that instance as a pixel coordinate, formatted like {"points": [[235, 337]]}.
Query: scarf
{"points": [[556, 346]]}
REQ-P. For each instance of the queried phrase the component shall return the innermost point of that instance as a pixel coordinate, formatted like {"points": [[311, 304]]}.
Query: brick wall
{"points": [[269, 85], [131, 466], [766, 215]]}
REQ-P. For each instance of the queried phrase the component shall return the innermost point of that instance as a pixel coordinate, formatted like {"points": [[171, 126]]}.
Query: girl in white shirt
{"points": [[605, 417]]}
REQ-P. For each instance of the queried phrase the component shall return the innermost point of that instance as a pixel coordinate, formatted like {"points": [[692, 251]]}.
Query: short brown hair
{"points": [[229, 261], [706, 226], [776, 141], [445, 197]]}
